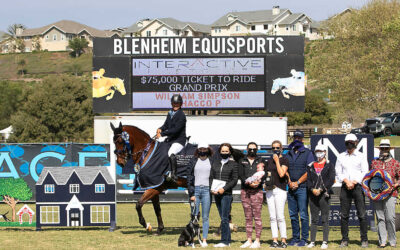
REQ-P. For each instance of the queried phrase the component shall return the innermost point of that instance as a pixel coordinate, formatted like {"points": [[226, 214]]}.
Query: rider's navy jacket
{"points": [[174, 127]]}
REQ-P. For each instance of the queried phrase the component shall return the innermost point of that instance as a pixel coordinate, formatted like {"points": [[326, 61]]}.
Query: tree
{"points": [[11, 36], [75, 69], [20, 44], [21, 64], [36, 43], [14, 190], [78, 46], [10, 97], [55, 110], [360, 63]]}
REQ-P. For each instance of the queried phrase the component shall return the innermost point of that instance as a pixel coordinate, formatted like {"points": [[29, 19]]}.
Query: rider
{"points": [[174, 128]]}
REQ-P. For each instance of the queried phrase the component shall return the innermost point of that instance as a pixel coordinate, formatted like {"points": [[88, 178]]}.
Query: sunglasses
{"points": [[276, 148]]}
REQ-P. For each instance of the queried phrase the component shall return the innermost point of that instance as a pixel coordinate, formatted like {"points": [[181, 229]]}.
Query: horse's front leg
{"points": [[146, 196], [285, 93], [111, 94], [157, 210]]}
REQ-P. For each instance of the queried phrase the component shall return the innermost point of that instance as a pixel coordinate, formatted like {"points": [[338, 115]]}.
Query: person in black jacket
{"points": [[224, 172], [198, 180], [251, 194], [320, 179], [174, 128]]}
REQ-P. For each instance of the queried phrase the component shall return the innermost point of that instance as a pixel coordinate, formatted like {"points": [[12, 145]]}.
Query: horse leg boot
{"points": [[173, 163]]}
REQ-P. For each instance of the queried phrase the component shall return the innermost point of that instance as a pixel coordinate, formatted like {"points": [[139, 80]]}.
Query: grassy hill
{"points": [[39, 64]]}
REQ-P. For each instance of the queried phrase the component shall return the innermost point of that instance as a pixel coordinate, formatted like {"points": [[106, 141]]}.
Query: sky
{"points": [[108, 14]]}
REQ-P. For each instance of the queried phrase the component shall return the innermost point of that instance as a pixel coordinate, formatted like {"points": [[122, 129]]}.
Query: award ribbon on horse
{"points": [[377, 184]]}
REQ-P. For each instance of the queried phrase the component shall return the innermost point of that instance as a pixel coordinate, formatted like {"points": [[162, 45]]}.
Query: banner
{"points": [[210, 73], [28, 160]]}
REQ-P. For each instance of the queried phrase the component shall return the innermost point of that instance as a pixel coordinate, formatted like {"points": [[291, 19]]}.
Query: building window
{"points": [[294, 27], [47, 37], [100, 188], [55, 37], [148, 33], [49, 189], [237, 27], [265, 26], [50, 215], [74, 188], [253, 27], [165, 32], [100, 214], [62, 37], [83, 37], [217, 30], [275, 26]]}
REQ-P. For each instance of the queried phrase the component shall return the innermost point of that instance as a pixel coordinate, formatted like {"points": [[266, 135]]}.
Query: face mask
{"points": [[224, 156], [252, 152], [296, 144], [350, 145], [277, 152], [384, 155], [203, 153], [320, 155]]}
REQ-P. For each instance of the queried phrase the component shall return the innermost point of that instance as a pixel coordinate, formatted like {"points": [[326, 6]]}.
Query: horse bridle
{"points": [[128, 154]]}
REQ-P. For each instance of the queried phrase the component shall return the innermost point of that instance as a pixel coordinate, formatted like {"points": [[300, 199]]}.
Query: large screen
{"points": [[236, 82], [142, 73]]}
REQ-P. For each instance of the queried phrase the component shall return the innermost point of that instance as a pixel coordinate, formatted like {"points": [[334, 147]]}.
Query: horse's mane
{"points": [[140, 130]]}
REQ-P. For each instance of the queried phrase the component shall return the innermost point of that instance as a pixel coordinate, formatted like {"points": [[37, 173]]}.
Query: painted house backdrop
{"points": [[75, 196]]}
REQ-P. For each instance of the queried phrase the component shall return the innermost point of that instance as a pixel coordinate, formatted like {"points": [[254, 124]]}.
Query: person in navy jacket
{"points": [[174, 128], [299, 158]]}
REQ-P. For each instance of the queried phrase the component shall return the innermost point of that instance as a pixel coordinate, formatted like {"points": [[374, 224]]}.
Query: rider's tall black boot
{"points": [[173, 163]]}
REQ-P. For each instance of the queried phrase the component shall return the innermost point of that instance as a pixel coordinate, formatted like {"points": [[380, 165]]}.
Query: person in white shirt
{"points": [[351, 167]]}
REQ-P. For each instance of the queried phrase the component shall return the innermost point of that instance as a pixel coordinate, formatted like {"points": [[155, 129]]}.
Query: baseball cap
{"points": [[298, 133], [320, 147], [350, 137], [202, 145]]}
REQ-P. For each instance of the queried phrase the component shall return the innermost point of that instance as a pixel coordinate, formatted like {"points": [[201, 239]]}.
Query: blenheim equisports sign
{"points": [[210, 73]]}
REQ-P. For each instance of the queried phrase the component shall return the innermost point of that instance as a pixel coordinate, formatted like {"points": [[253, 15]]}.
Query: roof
{"points": [[249, 17], [87, 175], [292, 18], [70, 27], [173, 24]]}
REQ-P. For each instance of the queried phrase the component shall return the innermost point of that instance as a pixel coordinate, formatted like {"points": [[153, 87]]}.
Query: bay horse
{"points": [[140, 142]]}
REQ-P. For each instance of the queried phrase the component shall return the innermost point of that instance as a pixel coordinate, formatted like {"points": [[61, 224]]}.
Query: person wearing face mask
{"points": [[276, 169], [385, 209], [251, 195], [299, 158], [351, 167], [320, 179], [174, 128], [198, 175], [224, 171]]}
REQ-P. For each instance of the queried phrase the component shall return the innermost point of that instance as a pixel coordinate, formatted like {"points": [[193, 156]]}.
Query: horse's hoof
{"points": [[148, 228]]}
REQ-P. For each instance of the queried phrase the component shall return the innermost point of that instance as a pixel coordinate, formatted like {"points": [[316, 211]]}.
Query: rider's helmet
{"points": [[176, 98]]}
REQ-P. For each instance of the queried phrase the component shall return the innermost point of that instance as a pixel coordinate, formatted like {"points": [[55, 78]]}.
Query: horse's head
{"points": [[120, 86], [126, 145], [121, 149], [275, 86]]}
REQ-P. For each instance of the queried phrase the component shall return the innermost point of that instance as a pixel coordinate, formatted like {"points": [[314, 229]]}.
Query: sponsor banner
{"points": [[198, 66], [200, 100]]}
